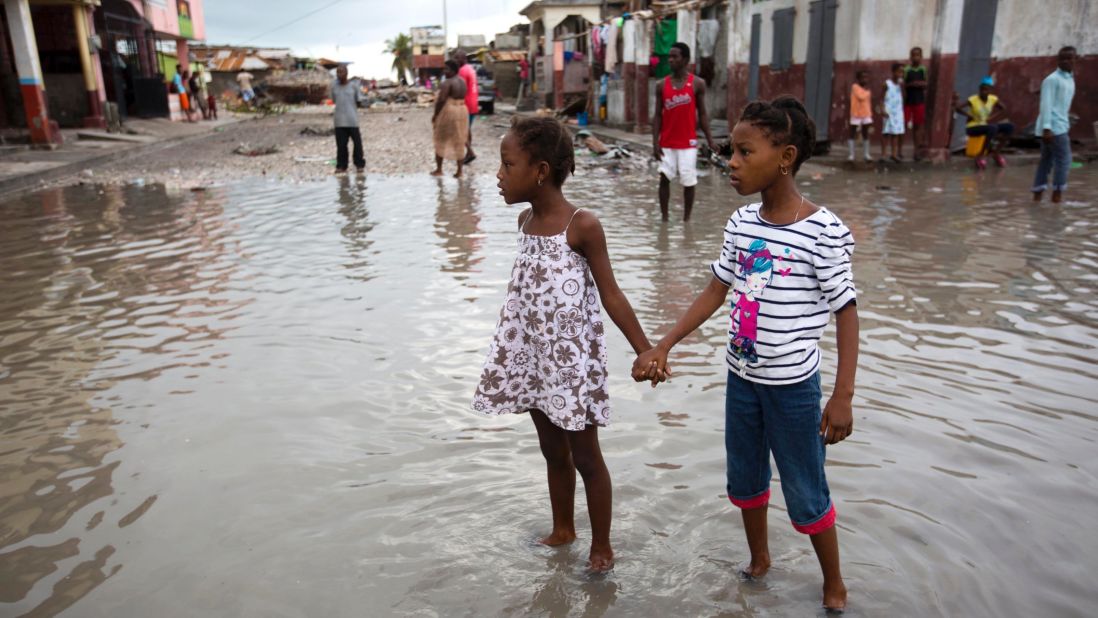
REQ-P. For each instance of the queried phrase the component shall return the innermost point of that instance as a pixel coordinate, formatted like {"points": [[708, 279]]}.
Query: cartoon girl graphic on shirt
{"points": [[757, 269]]}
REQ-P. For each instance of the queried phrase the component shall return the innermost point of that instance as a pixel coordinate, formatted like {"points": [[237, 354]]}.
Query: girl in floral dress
{"points": [[548, 356]]}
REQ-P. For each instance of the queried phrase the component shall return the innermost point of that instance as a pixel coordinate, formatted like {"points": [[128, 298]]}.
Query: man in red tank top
{"points": [[679, 108]]}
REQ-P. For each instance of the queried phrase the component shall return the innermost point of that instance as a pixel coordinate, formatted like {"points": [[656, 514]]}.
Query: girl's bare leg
{"points": [[562, 478], [754, 524], [587, 457], [826, 545]]}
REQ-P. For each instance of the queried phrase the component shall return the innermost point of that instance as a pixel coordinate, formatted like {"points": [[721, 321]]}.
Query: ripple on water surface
{"points": [[253, 401]]}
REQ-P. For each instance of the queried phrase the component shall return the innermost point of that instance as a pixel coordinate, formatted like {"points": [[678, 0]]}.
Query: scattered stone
{"points": [[258, 151]]}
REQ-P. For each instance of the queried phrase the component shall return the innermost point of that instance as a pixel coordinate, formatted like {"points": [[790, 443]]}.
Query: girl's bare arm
{"points": [[591, 242]]}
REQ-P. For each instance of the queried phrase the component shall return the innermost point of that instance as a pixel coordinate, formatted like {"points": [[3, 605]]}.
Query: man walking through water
{"points": [[469, 75], [346, 96], [679, 106], [1053, 125]]}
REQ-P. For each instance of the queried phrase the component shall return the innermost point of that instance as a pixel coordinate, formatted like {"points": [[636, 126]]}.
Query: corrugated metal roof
{"points": [[229, 59], [507, 55]]}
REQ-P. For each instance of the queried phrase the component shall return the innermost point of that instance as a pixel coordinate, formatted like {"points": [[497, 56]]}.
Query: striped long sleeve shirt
{"points": [[786, 280]]}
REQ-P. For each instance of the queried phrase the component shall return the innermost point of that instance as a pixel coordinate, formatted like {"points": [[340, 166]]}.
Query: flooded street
{"points": [[254, 401]]}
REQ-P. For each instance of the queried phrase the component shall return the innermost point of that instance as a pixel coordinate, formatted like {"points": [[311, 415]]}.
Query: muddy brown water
{"points": [[253, 401]]}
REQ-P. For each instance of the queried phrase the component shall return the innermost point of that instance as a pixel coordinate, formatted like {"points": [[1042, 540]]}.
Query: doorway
{"points": [[820, 65]]}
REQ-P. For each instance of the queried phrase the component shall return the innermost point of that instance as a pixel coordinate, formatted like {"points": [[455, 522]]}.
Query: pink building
{"points": [[63, 61]]}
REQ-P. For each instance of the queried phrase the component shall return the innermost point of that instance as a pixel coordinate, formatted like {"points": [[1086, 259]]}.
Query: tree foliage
{"points": [[401, 49]]}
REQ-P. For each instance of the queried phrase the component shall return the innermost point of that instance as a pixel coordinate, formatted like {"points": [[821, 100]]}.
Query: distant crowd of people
{"points": [[192, 90], [901, 106]]}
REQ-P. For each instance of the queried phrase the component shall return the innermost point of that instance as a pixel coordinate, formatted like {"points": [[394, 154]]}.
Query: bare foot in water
{"points": [[757, 567], [436, 173], [558, 538], [834, 596], [457, 175], [601, 559]]}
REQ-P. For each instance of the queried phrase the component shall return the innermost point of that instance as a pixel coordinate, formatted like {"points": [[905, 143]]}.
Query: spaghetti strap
{"points": [[570, 220], [522, 226]]}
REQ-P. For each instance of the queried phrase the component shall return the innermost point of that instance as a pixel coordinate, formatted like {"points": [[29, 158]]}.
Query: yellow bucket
{"points": [[975, 145]]}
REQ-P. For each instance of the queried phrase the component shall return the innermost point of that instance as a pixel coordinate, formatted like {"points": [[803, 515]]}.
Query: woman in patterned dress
{"points": [[548, 356]]}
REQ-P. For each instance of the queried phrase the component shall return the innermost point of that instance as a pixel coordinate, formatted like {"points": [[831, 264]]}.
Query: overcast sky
{"points": [[351, 30]]}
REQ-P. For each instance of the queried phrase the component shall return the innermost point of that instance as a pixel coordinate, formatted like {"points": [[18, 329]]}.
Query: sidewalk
{"points": [[836, 159], [22, 167]]}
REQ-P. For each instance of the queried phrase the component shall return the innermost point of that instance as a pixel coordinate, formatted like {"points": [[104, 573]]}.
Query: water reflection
{"points": [[198, 383], [457, 224], [104, 290], [352, 205]]}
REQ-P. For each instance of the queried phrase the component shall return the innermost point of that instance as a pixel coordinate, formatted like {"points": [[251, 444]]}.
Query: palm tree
{"points": [[401, 49]]}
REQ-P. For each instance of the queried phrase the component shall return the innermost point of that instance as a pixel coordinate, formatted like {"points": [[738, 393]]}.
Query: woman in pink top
{"points": [[469, 74], [861, 114]]}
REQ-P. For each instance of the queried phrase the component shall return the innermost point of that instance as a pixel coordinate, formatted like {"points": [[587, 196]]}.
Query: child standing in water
{"points": [[892, 111], [548, 356], [788, 261], [861, 114]]}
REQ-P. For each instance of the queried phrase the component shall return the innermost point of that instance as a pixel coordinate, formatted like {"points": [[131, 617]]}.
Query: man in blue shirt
{"points": [[1052, 125], [346, 95]]}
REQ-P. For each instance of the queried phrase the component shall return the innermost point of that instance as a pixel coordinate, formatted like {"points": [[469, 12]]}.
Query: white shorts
{"points": [[861, 121], [681, 164]]}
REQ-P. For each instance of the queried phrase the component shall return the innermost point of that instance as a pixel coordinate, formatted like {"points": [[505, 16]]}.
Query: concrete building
{"points": [[63, 61], [428, 51], [811, 49], [224, 62], [558, 30]]}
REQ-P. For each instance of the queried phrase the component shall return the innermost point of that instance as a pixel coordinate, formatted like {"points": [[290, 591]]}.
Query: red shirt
{"points": [[469, 75], [679, 122]]}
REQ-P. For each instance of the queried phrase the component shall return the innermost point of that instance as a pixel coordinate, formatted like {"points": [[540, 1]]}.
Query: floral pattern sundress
{"points": [[548, 352]]}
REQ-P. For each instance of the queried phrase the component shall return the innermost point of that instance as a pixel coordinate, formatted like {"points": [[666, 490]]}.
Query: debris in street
{"points": [[328, 132], [259, 151], [305, 86]]}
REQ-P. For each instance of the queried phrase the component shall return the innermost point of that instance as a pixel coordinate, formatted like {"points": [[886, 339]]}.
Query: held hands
{"points": [[838, 418], [652, 365]]}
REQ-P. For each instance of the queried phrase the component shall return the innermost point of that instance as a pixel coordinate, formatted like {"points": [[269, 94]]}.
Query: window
{"points": [[781, 55]]}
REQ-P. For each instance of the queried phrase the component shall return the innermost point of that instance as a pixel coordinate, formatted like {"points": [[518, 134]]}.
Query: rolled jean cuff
{"points": [[1042, 188], [754, 502], [822, 523]]}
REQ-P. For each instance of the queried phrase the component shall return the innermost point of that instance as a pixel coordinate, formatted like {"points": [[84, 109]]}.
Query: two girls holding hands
{"points": [[788, 262]]}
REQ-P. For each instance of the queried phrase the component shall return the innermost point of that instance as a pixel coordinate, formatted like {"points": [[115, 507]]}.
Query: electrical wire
{"points": [[293, 21]]}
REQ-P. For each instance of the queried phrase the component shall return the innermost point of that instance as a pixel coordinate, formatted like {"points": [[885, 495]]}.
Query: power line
{"points": [[293, 21]]}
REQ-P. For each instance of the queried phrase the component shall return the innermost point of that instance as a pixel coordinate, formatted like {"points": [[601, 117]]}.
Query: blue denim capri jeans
{"points": [[784, 419]]}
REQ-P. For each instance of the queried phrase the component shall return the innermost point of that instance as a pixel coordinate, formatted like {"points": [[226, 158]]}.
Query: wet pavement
{"points": [[253, 401]]}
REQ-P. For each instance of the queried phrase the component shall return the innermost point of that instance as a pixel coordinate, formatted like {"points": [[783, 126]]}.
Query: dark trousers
{"points": [[342, 134]]}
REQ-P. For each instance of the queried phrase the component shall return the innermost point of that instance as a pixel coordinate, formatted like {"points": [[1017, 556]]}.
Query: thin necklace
{"points": [[797, 214]]}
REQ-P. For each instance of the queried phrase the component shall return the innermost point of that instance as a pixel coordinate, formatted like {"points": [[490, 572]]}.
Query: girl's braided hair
{"points": [[546, 139], [785, 121]]}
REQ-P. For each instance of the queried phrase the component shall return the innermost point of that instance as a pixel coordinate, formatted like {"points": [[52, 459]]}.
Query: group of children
{"points": [[786, 262], [902, 104]]}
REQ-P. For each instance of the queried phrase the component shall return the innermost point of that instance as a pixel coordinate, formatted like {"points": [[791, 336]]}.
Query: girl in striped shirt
{"points": [[787, 262]]}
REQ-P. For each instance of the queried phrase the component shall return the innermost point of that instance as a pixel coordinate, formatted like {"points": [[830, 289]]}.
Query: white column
{"points": [[687, 31]]}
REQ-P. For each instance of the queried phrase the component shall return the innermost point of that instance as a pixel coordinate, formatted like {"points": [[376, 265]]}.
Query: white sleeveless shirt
{"points": [[548, 352]]}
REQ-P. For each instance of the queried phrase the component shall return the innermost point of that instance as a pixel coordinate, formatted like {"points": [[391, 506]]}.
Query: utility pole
{"points": [[445, 32]]}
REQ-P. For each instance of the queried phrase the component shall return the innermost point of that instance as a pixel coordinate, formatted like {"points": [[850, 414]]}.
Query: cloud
{"points": [[351, 30]]}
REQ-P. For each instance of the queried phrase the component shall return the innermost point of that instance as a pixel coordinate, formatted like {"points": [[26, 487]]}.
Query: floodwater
{"points": [[253, 401]]}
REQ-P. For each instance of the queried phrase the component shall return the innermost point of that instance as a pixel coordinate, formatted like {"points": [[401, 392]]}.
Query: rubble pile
{"points": [[311, 86], [401, 95]]}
